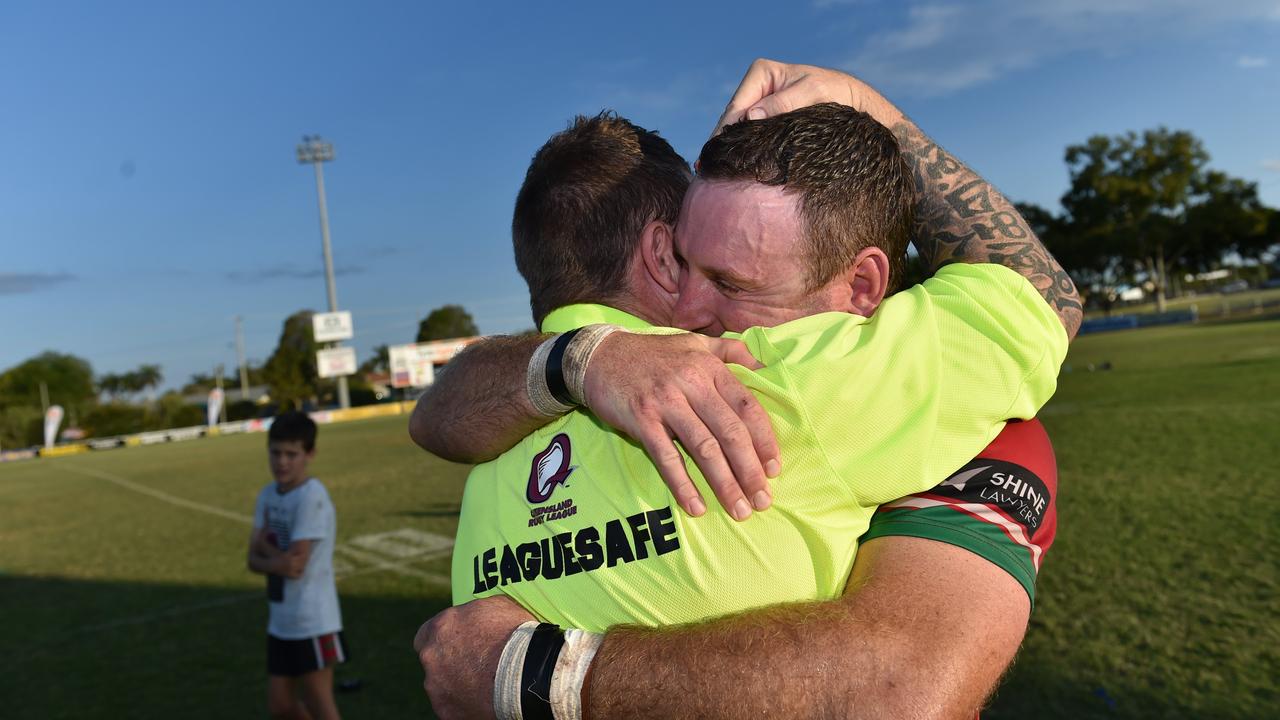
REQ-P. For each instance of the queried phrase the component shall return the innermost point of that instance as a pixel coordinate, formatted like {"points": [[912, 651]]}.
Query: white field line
{"points": [[396, 566], [375, 563], [162, 496]]}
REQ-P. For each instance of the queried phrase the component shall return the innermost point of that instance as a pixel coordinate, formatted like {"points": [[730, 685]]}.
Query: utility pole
{"points": [[316, 151], [244, 368]]}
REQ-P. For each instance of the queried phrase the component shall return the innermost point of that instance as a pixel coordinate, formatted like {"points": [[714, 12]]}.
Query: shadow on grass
{"points": [[82, 649], [1034, 691]]}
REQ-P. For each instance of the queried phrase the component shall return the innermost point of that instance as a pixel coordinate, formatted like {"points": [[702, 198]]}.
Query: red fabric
{"points": [[1027, 444]]}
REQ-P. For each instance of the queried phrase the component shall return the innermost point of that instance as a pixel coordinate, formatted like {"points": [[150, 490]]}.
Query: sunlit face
{"points": [[289, 461], [740, 250]]}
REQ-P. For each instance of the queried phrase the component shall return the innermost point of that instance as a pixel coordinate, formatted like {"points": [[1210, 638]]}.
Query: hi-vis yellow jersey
{"points": [[576, 525]]}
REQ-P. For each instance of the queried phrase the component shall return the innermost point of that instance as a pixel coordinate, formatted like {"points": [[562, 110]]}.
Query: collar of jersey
{"points": [[572, 317]]}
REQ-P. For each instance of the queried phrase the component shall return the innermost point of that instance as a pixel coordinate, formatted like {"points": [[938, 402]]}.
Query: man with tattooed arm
{"points": [[903, 640]]}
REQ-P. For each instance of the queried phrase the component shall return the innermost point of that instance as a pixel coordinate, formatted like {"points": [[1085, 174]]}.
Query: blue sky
{"points": [[149, 191]]}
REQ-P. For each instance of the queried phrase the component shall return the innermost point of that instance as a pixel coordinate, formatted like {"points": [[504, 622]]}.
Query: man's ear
{"points": [[657, 250], [868, 281]]}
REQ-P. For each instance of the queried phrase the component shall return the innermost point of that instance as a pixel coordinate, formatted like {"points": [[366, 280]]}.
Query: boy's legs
{"points": [[282, 699], [317, 694]]}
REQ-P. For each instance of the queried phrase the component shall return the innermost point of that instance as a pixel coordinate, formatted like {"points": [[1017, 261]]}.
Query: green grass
{"points": [[1158, 599], [119, 605]]}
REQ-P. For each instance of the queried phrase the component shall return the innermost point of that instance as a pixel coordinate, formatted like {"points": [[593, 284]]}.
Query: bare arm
{"points": [[910, 639], [266, 559], [477, 408], [651, 387], [960, 217], [913, 637]]}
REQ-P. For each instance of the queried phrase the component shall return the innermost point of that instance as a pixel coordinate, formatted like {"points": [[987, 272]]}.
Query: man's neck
{"points": [[631, 306]]}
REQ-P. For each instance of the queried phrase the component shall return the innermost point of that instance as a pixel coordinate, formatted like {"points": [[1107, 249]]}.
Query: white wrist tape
{"points": [[506, 683], [536, 383], [575, 659], [579, 353]]}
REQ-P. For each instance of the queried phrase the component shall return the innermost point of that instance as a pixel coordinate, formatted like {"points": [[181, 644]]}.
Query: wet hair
{"points": [[587, 196], [856, 190], [293, 426]]}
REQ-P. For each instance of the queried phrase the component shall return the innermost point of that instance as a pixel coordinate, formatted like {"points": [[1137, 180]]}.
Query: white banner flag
{"points": [[52, 419], [215, 405]]}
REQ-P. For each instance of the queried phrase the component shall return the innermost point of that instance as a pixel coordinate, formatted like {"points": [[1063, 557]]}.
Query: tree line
{"points": [[1145, 210], [110, 403]]}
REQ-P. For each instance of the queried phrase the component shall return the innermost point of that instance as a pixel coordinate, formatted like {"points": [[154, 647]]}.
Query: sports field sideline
{"points": [[124, 591]]}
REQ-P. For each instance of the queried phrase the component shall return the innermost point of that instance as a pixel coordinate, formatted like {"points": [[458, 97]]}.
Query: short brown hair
{"points": [[293, 426], [856, 189], [588, 194]]}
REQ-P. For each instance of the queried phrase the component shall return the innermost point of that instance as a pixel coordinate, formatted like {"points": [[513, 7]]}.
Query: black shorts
{"points": [[292, 658]]}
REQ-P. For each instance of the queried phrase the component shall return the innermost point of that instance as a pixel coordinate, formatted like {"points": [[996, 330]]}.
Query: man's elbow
{"points": [[419, 431], [435, 438]]}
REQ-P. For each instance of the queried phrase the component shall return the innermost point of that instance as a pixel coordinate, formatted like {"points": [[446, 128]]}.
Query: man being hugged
{"points": [[790, 218], [292, 544]]}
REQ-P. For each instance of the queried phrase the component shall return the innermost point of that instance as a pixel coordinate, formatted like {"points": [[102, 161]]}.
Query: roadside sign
{"points": [[336, 362], [333, 326]]}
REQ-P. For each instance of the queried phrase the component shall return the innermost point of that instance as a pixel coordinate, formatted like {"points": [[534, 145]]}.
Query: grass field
{"points": [[124, 593]]}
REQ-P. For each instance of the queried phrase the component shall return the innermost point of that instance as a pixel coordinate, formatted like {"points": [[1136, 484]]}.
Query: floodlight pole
{"points": [[316, 151]]}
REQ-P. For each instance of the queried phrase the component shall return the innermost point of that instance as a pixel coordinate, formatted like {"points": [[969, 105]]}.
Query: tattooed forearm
{"points": [[961, 218]]}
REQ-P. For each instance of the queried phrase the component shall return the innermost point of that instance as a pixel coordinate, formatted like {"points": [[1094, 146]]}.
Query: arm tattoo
{"points": [[961, 218]]}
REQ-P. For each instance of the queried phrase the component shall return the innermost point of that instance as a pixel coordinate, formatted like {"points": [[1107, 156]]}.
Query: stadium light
{"points": [[316, 151]]}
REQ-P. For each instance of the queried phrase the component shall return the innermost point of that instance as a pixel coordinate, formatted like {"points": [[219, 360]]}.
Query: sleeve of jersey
{"points": [[259, 511], [1002, 505], [312, 520], [903, 399]]}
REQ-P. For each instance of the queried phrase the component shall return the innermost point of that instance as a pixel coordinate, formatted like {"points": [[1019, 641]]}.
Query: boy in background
{"points": [[292, 544]]}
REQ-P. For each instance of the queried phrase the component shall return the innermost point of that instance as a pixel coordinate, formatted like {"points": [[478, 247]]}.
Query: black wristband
{"points": [[535, 677], [555, 369]]}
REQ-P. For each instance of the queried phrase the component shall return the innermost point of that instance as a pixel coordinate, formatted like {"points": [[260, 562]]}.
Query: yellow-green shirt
{"points": [[575, 524]]}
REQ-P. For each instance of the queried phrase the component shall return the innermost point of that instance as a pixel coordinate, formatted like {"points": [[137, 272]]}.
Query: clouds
{"points": [[22, 283], [1272, 165], [289, 272], [943, 47], [1250, 62]]}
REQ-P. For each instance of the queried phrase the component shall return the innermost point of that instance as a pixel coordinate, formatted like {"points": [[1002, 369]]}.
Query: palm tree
{"points": [[148, 377]]}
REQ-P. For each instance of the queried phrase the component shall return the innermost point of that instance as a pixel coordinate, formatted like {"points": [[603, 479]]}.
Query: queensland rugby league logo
{"points": [[550, 468]]}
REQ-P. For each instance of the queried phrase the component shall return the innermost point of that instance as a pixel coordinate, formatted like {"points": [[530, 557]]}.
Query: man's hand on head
{"points": [[459, 650], [771, 88], [656, 388]]}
